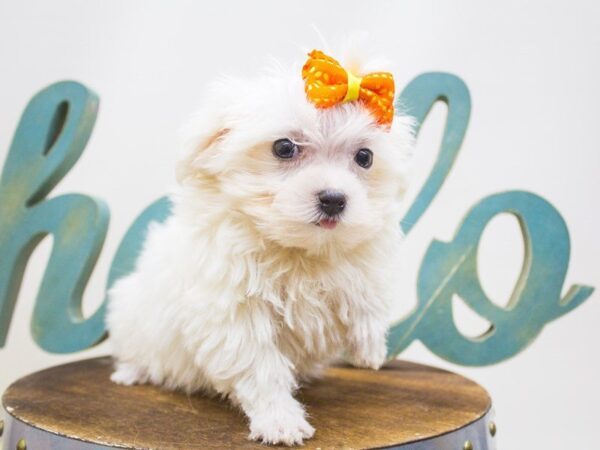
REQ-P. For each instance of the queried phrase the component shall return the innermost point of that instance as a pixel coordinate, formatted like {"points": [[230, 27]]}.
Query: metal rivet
{"points": [[492, 427], [468, 445], [21, 445], [1, 427]]}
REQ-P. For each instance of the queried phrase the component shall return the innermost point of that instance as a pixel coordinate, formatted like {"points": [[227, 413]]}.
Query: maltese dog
{"points": [[281, 252]]}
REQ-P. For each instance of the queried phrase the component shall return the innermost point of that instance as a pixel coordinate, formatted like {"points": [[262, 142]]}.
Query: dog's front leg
{"points": [[367, 346], [264, 392]]}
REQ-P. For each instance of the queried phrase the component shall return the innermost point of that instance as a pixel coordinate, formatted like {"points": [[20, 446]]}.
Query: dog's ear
{"points": [[202, 146], [204, 135]]}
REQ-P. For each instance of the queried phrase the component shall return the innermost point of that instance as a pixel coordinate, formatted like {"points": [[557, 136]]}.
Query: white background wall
{"points": [[532, 68]]}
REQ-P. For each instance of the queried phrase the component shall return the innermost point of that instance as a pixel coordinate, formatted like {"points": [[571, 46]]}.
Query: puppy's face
{"points": [[305, 177]]}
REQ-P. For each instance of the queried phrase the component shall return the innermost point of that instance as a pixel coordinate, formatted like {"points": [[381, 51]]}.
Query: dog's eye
{"points": [[364, 158], [285, 149]]}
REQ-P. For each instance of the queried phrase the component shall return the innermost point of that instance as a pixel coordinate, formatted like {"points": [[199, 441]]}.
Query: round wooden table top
{"points": [[350, 408]]}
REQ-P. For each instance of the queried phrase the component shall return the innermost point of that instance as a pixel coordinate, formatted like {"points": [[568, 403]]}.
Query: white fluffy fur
{"points": [[239, 293]]}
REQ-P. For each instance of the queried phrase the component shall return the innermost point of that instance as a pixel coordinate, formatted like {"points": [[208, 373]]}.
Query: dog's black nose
{"points": [[331, 202]]}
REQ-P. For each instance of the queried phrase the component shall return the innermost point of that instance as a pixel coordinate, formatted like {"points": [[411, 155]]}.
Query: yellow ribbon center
{"points": [[353, 87]]}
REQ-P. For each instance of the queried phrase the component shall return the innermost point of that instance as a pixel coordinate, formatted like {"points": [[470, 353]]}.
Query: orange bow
{"points": [[328, 84]]}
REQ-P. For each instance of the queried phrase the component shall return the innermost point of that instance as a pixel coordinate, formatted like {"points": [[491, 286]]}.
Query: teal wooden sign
{"points": [[54, 131]]}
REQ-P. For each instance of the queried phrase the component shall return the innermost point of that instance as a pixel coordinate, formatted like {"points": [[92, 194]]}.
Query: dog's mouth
{"points": [[328, 223]]}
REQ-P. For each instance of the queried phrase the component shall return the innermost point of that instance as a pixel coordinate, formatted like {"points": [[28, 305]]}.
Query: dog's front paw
{"points": [[280, 426], [127, 375], [369, 355]]}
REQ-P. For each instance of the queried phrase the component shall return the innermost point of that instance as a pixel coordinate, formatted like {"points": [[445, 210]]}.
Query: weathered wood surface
{"points": [[349, 407]]}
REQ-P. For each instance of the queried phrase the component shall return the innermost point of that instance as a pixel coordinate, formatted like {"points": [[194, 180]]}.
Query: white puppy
{"points": [[281, 253]]}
